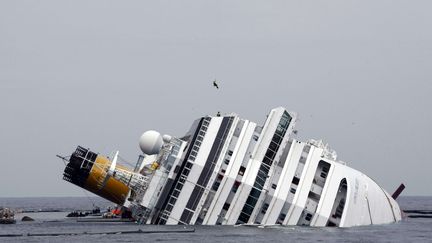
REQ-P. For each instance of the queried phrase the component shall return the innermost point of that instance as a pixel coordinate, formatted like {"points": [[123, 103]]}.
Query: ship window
{"points": [[282, 217], [270, 154], [277, 136], [199, 221], [338, 205], [216, 185], [267, 160], [331, 224], [251, 201], [234, 189], [242, 170], [273, 146], [255, 193], [264, 208], [302, 160], [177, 168], [243, 218], [235, 186], [172, 200], [339, 209], [325, 169], [169, 207], [247, 210], [185, 172], [226, 206], [186, 217], [323, 175]]}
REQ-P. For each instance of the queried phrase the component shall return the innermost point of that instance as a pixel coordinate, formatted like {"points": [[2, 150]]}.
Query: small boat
{"points": [[7, 216], [94, 212], [75, 214]]}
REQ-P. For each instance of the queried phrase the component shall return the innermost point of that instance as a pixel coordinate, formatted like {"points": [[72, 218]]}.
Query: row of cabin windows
{"points": [[295, 181], [186, 170], [235, 186], [264, 168], [237, 183], [308, 216], [283, 212], [324, 167], [217, 182], [227, 160], [324, 172]]}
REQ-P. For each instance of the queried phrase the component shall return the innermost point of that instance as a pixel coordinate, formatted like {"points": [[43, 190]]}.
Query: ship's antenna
{"points": [[64, 159], [88, 197]]}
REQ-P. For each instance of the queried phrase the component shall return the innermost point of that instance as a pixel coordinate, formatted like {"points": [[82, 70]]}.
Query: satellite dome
{"points": [[166, 138], [150, 142]]}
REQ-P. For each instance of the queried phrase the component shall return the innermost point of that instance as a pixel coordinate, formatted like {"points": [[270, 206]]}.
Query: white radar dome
{"points": [[166, 138], [151, 142]]}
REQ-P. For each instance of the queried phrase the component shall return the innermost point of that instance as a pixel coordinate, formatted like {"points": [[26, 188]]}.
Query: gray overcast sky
{"points": [[99, 73]]}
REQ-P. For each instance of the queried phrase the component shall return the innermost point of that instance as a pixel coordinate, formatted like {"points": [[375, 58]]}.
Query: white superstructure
{"points": [[228, 170]]}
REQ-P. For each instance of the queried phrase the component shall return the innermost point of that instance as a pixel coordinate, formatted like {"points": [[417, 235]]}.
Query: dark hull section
{"points": [[80, 164], [87, 170]]}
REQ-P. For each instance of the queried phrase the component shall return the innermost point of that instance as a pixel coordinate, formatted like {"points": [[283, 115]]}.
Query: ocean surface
{"points": [[409, 230]]}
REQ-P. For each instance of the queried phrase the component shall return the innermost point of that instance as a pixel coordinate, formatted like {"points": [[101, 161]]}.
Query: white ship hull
{"points": [[229, 171]]}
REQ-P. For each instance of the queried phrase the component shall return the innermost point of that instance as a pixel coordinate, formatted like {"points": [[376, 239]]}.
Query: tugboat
{"points": [[7, 216]]}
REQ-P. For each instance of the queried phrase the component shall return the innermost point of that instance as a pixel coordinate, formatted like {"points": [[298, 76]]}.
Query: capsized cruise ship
{"points": [[227, 170]]}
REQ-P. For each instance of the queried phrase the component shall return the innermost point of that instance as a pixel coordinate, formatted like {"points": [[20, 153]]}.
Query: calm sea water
{"points": [[409, 230]]}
